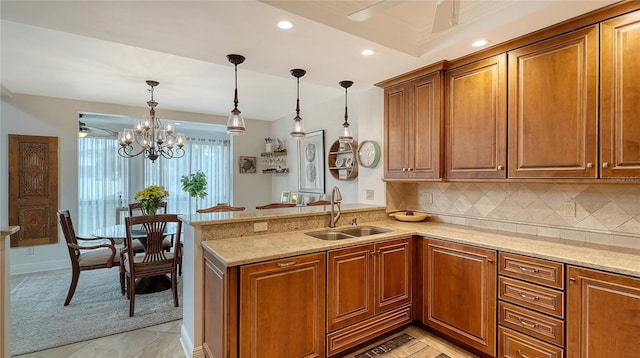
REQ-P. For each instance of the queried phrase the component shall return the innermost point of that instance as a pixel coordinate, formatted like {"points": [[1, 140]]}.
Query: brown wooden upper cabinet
{"points": [[553, 107], [475, 120], [413, 128], [619, 97]]}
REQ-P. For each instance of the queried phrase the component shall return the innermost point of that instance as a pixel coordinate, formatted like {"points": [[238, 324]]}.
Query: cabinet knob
{"points": [[589, 165], [404, 169], [500, 167], [409, 169], [373, 253], [605, 165], [490, 261], [572, 280]]}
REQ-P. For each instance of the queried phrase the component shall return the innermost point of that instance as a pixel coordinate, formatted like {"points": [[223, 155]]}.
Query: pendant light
{"points": [[346, 136], [235, 123], [297, 131]]}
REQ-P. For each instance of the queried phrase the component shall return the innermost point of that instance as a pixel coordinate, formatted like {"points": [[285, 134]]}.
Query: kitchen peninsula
{"points": [[233, 262]]}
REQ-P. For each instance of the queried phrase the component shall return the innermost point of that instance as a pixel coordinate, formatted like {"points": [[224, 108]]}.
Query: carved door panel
{"points": [[33, 189]]}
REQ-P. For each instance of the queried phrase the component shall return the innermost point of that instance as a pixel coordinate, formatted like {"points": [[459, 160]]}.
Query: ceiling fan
{"points": [[86, 131], [445, 16]]}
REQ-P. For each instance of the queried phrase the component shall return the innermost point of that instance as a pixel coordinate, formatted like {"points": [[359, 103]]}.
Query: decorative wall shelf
{"points": [[276, 162], [342, 160]]}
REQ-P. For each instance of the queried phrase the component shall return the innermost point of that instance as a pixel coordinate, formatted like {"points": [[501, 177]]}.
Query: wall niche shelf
{"points": [[276, 162], [342, 161]]}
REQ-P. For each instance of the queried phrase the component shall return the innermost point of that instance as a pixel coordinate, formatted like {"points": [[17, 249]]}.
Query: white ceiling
{"points": [[105, 50]]}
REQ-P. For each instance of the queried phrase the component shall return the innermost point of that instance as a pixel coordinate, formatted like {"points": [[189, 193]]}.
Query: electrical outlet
{"points": [[426, 199], [569, 208], [260, 226], [369, 194], [30, 251]]}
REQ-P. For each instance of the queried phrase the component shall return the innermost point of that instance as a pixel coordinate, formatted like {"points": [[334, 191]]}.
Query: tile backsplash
{"points": [[607, 214]]}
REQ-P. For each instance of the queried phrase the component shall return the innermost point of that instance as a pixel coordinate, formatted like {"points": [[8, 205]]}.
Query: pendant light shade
{"points": [[235, 123], [346, 136], [297, 131]]}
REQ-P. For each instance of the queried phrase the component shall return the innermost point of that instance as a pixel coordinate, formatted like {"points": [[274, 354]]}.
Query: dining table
{"points": [[144, 285]]}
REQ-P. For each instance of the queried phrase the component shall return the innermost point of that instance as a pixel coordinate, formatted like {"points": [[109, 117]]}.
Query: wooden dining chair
{"points": [[136, 209], [220, 208], [97, 256], [276, 206], [155, 261], [319, 202]]}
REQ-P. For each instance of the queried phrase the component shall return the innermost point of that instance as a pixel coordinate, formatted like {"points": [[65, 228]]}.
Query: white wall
{"points": [[46, 116], [366, 111]]}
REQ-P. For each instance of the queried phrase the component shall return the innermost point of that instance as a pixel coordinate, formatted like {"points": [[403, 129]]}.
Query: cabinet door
{"points": [[396, 122], [553, 107], [603, 314], [476, 120], [393, 274], [425, 131], [350, 286], [460, 293], [619, 91], [282, 307]]}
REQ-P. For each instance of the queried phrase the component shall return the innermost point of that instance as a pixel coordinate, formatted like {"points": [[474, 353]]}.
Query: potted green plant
{"points": [[195, 184]]}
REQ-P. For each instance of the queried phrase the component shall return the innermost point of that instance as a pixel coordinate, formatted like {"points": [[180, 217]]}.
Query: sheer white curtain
{"points": [[211, 156], [103, 175]]}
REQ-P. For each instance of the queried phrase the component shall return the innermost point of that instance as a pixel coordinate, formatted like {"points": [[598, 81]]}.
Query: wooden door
{"points": [[425, 131], [603, 314], [350, 286], [396, 127], [619, 97], [553, 107], [393, 274], [33, 189], [282, 307], [460, 293], [476, 120]]}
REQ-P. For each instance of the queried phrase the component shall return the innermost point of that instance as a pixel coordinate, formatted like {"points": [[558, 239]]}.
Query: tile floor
{"points": [[163, 341]]}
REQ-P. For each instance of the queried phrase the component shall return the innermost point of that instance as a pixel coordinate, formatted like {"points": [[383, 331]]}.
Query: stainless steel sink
{"points": [[364, 231], [329, 235], [348, 233]]}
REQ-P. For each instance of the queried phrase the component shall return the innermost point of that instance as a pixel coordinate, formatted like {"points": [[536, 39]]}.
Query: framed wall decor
{"points": [[311, 163], [285, 196], [295, 198], [247, 164]]}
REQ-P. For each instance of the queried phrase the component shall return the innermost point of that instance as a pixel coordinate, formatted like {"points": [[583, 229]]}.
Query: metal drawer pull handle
{"points": [[522, 354], [285, 264], [530, 325], [526, 269], [530, 298]]}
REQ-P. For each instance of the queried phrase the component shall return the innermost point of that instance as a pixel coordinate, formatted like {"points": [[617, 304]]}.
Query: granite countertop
{"points": [[251, 249], [269, 214], [8, 230]]}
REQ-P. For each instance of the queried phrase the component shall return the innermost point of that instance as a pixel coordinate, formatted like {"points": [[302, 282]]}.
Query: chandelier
{"points": [[151, 136]]}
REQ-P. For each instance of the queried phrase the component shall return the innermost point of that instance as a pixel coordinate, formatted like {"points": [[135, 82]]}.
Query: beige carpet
{"points": [[40, 321]]}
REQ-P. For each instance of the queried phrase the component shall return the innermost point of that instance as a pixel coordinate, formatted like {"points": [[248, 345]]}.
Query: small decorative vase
{"points": [[151, 208]]}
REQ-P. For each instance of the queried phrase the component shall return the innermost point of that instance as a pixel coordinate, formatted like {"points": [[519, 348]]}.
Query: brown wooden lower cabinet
{"points": [[603, 314], [459, 293], [282, 308], [518, 345], [363, 282]]}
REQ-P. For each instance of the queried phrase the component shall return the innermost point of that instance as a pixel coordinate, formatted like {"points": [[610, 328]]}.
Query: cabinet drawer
{"points": [[517, 345], [531, 296], [534, 270], [535, 324]]}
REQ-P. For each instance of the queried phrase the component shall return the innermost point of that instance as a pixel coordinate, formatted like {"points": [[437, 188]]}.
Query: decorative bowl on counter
{"points": [[409, 216]]}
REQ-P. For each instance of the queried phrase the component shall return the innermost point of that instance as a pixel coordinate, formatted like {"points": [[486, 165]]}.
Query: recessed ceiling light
{"points": [[367, 52], [284, 24], [479, 43]]}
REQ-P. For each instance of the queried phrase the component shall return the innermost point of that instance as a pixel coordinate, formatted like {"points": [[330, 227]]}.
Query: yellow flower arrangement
{"points": [[151, 197]]}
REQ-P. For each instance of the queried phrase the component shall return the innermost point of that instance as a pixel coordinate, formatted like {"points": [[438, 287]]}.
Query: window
{"points": [[104, 176], [212, 156]]}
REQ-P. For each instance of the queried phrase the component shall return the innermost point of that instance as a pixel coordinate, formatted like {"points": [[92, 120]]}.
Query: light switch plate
{"points": [[262, 226], [370, 194]]}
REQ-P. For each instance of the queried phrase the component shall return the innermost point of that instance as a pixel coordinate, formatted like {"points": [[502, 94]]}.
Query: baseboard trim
{"points": [[20, 269]]}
